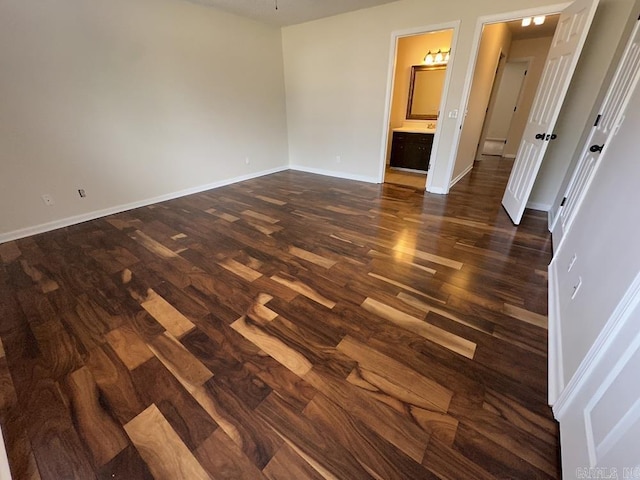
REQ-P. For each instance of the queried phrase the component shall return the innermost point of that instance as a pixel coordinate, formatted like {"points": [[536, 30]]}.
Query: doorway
{"points": [[418, 87], [508, 69]]}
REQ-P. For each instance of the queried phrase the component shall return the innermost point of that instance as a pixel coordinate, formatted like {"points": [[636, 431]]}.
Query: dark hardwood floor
{"points": [[292, 326]]}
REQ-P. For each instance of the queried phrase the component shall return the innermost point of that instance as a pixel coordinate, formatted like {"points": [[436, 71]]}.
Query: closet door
{"points": [[608, 120]]}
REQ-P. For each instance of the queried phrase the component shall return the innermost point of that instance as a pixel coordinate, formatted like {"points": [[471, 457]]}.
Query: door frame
{"points": [[475, 48], [391, 73]]}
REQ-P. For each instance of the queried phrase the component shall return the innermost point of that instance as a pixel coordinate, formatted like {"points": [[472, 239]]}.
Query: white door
{"points": [[610, 116], [507, 94], [566, 46], [600, 416]]}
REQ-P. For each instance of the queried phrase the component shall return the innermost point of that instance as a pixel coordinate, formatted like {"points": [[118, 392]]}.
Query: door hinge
{"points": [[564, 200], [597, 120]]}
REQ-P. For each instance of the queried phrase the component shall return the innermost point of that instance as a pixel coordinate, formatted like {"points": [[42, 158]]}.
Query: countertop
{"points": [[414, 130]]}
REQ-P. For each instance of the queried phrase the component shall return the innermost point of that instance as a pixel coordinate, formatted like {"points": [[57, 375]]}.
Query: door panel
{"points": [[566, 46], [600, 418], [609, 119]]}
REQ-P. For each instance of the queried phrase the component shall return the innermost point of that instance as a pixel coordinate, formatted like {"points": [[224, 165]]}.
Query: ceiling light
{"points": [[539, 20], [526, 21]]}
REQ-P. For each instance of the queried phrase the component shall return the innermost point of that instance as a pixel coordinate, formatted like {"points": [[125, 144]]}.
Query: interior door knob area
{"points": [[596, 148]]}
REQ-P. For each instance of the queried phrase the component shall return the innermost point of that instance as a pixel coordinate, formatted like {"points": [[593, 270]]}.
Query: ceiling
{"points": [[290, 12], [547, 29]]}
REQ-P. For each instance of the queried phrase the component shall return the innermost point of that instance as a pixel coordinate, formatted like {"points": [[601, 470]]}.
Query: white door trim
{"points": [[395, 35], [466, 91], [555, 360]]}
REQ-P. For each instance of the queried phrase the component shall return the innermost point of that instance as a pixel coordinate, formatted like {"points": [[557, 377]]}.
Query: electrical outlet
{"points": [[48, 200], [82, 193], [576, 287]]}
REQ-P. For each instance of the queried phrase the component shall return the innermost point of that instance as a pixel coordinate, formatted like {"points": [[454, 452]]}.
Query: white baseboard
{"points": [[5, 471], [437, 190], [461, 176], [65, 222], [555, 359], [333, 173], [543, 207]]}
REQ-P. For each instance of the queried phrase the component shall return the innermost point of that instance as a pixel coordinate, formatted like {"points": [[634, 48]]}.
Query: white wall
{"points": [[130, 100], [496, 39], [336, 79]]}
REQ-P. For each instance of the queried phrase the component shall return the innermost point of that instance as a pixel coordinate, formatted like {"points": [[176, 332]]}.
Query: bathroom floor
{"points": [[408, 179]]}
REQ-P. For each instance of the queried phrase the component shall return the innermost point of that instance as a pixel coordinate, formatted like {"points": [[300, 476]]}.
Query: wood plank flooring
{"points": [[291, 326]]}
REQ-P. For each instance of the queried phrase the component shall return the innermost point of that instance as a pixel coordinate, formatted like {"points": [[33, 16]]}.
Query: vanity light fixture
{"points": [[438, 58], [428, 58]]}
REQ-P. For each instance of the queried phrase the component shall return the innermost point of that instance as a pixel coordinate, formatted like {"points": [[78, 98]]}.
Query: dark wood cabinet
{"points": [[411, 150]]}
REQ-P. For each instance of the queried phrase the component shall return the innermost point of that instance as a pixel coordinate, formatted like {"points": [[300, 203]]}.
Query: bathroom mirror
{"points": [[425, 92]]}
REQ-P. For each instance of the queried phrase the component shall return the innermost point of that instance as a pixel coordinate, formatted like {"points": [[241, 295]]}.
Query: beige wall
{"points": [[341, 64], [411, 51], [536, 49], [496, 39], [130, 100]]}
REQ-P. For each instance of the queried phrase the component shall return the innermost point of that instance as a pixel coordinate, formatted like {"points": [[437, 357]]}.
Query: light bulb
{"points": [[539, 20], [428, 59], [526, 21], [439, 57]]}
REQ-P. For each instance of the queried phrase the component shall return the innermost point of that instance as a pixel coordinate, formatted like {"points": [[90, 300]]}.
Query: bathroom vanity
{"points": [[411, 148]]}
